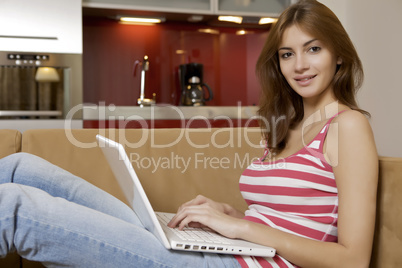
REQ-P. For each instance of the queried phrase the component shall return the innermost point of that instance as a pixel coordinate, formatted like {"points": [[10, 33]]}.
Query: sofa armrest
{"points": [[387, 246], [10, 142]]}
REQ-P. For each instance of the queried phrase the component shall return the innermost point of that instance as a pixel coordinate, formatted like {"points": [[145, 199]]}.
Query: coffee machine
{"points": [[193, 89]]}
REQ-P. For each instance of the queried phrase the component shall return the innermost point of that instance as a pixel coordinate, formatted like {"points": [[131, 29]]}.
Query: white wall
{"points": [[375, 28]]}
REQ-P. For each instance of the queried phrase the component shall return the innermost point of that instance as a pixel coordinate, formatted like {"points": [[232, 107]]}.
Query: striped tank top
{"points": [[297, 194]]}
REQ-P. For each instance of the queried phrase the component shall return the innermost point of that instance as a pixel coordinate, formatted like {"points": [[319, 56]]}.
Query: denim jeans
{"points": [[51, 216]]}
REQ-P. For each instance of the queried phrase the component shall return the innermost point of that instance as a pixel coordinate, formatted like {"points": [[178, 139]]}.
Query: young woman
{"points": [[312, 196]]}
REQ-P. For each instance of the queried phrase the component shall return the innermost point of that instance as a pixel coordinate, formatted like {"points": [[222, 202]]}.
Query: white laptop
{"points": [[189, 239]]}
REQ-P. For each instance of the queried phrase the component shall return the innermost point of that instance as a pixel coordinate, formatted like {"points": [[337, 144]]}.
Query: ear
{"points": [[339, 61]]}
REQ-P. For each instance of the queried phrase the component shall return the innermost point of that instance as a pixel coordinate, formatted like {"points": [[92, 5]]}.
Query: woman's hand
{"points": [[204, 212]]}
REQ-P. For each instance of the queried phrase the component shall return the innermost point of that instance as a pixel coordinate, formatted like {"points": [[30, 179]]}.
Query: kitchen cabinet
{"points": [[207, 7], [251, 7], [51, 26], [175, 6]]}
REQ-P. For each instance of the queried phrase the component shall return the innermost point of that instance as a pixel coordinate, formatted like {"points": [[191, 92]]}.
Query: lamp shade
{"points": [[47, 74]]}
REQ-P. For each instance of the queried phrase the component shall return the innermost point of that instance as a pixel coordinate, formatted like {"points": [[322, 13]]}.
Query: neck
{"points": [[321, 108]]}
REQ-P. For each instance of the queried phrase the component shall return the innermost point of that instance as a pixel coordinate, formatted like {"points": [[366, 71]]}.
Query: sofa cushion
{"points": [[10, 142], [174, 165]]}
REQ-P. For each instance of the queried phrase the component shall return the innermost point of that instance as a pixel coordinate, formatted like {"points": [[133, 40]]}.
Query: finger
{"points": [[186, 216], [196, 217], [180, 215], [184, 223], [175, 220], [196, 225], [193, 202]]}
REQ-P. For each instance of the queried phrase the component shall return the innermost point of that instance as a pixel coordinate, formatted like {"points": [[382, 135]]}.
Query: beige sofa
{"points": [[214, 160]]}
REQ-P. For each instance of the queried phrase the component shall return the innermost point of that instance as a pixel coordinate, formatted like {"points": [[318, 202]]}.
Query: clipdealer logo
{"points": [[146, 134], [195, 161]]}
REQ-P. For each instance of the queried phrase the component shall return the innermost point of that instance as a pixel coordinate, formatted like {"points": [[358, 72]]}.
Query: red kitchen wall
{"points": [[110, 50]]}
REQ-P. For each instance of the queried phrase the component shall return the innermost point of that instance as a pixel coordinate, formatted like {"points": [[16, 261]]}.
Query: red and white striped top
{"points": [[297, 194]]}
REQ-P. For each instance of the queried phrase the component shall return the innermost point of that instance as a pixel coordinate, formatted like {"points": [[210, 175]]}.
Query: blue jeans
{"points": [[51, 216]]}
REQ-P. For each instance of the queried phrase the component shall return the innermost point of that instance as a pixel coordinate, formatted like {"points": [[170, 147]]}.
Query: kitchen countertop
{"points": [[167, 112]]}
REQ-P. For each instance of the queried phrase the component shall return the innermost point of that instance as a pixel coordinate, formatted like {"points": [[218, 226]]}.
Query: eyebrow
{"points": [[304, 45]]}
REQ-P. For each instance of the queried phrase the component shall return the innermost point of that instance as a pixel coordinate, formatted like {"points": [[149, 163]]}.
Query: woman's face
{"points": [[307, 63]]}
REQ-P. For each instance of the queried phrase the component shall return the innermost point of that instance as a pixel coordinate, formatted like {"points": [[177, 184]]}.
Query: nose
{"points": [[301, 63]]}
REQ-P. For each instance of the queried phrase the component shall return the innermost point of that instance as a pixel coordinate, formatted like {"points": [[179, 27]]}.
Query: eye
{"points": [[315, 49], [286, 55]]}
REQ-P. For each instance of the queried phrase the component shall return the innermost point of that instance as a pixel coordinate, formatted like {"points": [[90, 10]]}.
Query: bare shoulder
{"points": [[353, 127], [350, 135], [352, 120]]}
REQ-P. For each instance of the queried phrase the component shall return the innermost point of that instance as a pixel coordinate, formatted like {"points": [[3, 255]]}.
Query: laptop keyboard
{"points": [[193, 234]]}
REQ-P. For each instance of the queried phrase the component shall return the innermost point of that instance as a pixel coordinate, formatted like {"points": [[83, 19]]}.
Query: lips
{"points": [[304, 80]]}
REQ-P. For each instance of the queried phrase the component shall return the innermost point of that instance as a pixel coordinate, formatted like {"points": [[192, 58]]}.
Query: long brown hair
{"points": [[281, 107]]}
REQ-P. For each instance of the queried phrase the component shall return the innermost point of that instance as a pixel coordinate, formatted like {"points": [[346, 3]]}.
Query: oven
{"points": [[40, 85]]}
